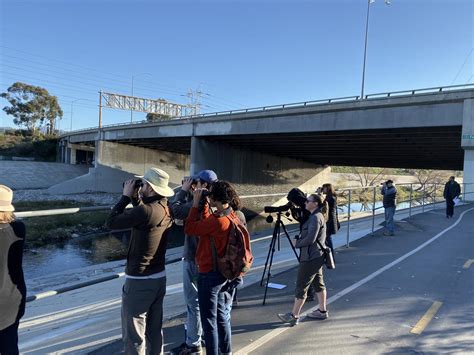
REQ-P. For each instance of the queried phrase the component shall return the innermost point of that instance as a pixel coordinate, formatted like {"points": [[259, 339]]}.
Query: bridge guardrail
{"points": [[294, 105]]}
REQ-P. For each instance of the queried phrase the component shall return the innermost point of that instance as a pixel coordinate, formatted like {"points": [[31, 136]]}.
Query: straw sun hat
{"points": [[158, 180], [6, 197]]}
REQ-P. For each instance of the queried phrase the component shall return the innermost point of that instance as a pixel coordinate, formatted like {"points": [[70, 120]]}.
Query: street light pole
{"points": [[387, 2], [365, 48]]}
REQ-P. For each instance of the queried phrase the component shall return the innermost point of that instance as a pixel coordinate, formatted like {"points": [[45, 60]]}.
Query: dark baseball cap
{"points": [[206, 176]]}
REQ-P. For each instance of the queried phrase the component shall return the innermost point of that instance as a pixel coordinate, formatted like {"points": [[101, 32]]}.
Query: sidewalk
{"points": [[86, 319]]}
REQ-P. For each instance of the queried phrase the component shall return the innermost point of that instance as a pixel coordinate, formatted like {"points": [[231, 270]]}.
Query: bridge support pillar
{"points": [[467, 143], [256, 173], [115, 162]]}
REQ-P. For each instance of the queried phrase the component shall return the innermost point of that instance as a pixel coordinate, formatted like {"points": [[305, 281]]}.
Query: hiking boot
{"points": [[288, 318], [186, 349], [317, 314]]}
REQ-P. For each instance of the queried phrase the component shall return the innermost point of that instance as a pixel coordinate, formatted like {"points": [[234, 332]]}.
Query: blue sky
{"points": [[242, 53]]}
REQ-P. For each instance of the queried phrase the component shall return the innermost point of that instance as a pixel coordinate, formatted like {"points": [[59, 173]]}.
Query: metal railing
{"points": [[302, 104], [420, 196]]}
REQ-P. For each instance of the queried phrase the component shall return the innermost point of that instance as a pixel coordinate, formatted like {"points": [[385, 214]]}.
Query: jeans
{"points": [[389, 224], [142, 316], [190, 291], [215, 306]]}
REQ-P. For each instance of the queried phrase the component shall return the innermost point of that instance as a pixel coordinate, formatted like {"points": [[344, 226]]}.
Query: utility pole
{"points": [[194, 97]]}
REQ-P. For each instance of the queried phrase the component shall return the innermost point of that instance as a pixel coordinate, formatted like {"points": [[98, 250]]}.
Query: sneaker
{"points": [[186, 349], [317, 314], [391, 234], [288, 318]]}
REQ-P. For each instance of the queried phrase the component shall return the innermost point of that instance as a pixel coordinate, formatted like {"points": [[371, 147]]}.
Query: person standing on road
{"points": [[332, 224], [310, 268], [214, 291], [180, 209], [452, 190], [389, 192], [12, 281], [145, 277]]}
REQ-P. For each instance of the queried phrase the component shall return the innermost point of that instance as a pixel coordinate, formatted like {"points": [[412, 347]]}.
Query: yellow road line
{"points": [[468, 263], [426, 319]]}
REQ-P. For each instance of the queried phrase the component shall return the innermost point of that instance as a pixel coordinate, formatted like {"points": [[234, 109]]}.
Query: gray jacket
{"points": [[312, 231], [180, 209]]}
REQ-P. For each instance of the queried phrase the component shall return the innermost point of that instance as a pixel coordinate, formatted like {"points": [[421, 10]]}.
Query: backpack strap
{"points": [[167, 214]]}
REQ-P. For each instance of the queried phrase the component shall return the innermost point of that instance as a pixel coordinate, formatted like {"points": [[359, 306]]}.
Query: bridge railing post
{"points": [[423, 198], [410, 201], [348, 219], [373, 209]]}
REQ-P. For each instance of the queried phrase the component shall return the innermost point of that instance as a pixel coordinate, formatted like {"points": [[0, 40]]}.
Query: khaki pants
{"points": [[309, 273], [142, 316]]}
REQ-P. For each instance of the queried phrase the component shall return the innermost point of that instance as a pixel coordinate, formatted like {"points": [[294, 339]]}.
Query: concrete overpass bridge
{"points": [[287, 145]]}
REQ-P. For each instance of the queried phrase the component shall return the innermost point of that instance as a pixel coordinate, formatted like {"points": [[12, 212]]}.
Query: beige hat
{"points": [[158, 180], [6, 197]]}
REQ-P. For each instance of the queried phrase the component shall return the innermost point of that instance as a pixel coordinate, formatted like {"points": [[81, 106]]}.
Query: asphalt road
{"points": [[376, 316], [379, 314]]}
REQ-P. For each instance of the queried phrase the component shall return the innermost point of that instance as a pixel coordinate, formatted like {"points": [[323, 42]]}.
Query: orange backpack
{"points": [[237, 258]]}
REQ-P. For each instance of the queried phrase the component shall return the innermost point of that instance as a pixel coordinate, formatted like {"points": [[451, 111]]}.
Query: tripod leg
{"points": [[270, 250], [276, 234], [289, 241]]}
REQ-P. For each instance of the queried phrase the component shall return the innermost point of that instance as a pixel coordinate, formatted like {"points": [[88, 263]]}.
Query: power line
{"points": [[124, 82], [462, 66], [42, 70]]}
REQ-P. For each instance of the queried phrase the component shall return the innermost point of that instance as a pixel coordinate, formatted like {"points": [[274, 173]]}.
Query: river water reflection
{"points": [[95, 249]]}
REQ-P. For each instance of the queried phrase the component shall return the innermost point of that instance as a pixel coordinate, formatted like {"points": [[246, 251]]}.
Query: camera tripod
{"points": [[271, 251]]}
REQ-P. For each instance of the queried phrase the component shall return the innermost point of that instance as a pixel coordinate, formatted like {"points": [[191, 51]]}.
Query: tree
{"points": [[32, 106], [150, 117]]}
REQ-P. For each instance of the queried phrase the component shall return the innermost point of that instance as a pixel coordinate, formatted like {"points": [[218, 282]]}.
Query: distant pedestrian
{"points": [[452, 190], [389, 192], [145, 276], [12, 281], [332, 224], [310, 268]]}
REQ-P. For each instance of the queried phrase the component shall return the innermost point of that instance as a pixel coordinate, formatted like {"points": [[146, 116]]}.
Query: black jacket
{"points": [[12, 281], [331, 224], [451, 190]]}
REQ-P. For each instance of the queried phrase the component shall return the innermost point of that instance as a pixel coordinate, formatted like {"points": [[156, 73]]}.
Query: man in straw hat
{"points": [[12, 281], [145, 278]]}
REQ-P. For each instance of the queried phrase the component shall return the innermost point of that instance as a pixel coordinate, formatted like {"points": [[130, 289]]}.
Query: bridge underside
{"points": [[420, 148]]}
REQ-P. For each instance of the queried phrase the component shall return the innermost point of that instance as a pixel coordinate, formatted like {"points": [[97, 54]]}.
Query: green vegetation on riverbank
{"points": [[21, 143], [51, 229]]}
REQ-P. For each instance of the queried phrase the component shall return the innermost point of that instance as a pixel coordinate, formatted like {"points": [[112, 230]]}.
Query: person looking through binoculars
{"points": [[310, 269], [145, 276], [215, 293], [180, 208]]}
